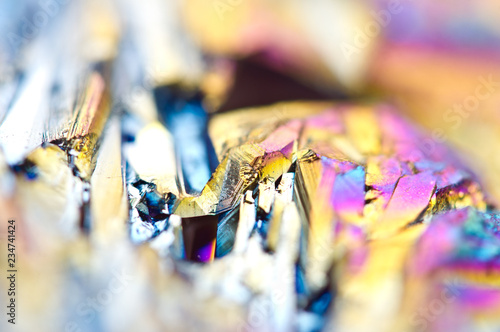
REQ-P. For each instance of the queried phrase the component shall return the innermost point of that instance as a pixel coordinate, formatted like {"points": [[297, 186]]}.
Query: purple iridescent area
{"points": [[459, 240]]}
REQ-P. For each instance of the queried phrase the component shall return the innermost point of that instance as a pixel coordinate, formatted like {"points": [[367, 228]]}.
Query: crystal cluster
{"points": [[182, 166]]}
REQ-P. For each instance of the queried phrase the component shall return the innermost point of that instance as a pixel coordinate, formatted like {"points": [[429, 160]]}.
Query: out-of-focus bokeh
{"points": [[250, 165], [439, 61]]}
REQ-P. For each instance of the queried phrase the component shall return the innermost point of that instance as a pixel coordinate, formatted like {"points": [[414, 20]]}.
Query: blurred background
{"points": [[438, 62]]}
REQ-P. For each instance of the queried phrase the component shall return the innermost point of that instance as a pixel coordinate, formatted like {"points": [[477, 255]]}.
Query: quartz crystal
{"points": [[145, 200]]}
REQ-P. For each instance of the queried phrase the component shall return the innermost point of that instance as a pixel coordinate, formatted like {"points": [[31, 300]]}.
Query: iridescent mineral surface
{"points": [[332, 199], [159, 180]]}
